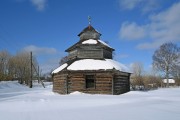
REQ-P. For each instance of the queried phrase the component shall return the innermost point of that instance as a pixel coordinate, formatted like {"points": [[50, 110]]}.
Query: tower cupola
{"points": [[89, 33]]}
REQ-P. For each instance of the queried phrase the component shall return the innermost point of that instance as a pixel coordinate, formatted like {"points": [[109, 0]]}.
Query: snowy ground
{"points": [[18, 102]]}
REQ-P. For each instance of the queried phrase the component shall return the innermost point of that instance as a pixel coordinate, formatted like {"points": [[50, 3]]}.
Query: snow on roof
{"points": [[90, 41], [170, 80], [104, 43], [91, 64], [60, 68]]}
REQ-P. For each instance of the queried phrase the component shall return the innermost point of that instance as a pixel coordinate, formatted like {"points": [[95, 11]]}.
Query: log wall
{"points": [[59, 83], [121, 84], [105, 82]]}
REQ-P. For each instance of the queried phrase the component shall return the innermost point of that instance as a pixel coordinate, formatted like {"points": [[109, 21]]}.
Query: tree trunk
{"points": [[167, 77]]}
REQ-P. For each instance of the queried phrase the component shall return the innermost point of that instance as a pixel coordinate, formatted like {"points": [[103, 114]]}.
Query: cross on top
{"points": [[89, 20]]}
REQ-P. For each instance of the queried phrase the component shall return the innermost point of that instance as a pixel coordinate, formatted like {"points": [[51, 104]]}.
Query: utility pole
{"points": [[38, 75]]}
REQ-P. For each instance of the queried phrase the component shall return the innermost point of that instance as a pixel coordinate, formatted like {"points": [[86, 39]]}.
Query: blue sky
{"points": [[134, 28]]}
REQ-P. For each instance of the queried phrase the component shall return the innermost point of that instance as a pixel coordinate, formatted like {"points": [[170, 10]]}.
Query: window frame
{"points": [[91, 77]]}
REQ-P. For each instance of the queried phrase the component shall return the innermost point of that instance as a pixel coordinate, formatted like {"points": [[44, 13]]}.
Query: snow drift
{"points": [[19, 102]]}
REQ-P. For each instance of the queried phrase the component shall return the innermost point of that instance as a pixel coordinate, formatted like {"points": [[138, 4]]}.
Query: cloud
{"points": [[129, 4], [49, 65], [39, 4], [48, 58], [150, 5], [40, 50], [131, 31], [144, 5], [163, 27]]}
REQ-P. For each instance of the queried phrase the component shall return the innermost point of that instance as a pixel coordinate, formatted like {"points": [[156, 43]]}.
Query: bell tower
{"points": [[89, 32]]}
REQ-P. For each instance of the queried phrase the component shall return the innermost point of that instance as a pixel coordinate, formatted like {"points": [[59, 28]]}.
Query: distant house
{"points": [[89, 68], [171, 82]]}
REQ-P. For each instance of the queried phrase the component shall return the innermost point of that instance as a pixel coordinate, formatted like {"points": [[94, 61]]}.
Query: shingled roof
{"points": [[89, 28], [99, 42]]}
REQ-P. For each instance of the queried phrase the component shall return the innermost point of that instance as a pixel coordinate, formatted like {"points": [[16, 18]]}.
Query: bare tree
{"points": [[20, 67], [137, 76], [176, 74], [137, 68], [165, 58], [4, 58], [152, 81], [63, 60], [17, 67]]}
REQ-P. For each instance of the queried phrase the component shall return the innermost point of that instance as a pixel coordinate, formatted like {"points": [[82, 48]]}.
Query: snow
{"points": [[19, 102], [76, 93], [90, 41], [60, 68], [91, 64], [170, 80], [104, 43]]}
